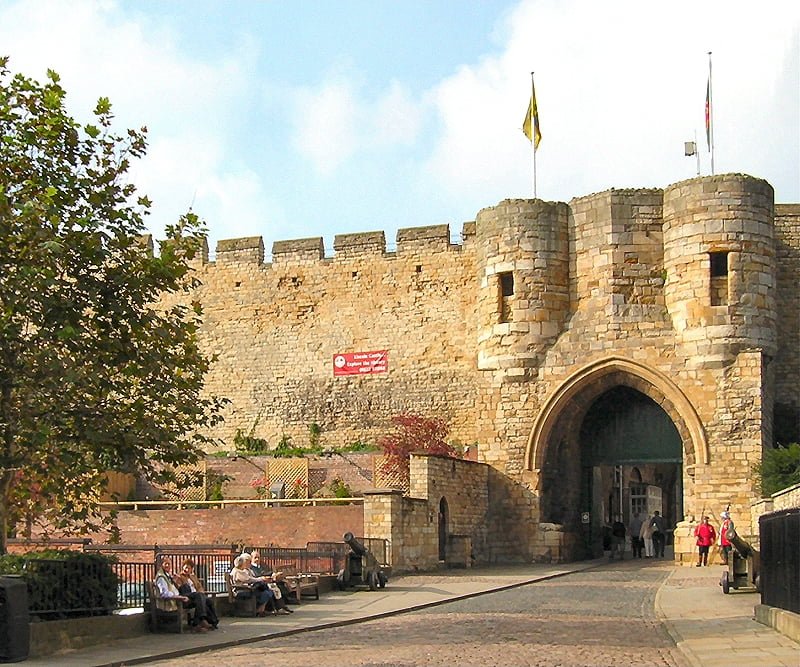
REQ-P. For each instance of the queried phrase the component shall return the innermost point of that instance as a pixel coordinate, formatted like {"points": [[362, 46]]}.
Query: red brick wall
{"points": [[250, 524]]}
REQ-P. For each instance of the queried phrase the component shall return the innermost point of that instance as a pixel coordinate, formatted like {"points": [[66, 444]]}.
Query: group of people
{"points": [[249, 580], [648, 535], [185, 587], [268, 587], [706, 537]]}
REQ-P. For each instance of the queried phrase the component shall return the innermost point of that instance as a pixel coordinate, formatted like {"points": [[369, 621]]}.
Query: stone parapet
{"points": [[248, 250]]}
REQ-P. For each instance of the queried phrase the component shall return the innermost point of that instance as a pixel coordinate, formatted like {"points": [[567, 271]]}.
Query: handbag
{"points": [[275, 590]]}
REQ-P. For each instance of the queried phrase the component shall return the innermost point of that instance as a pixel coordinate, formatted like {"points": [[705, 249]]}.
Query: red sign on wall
{"points": [[360, 363]]}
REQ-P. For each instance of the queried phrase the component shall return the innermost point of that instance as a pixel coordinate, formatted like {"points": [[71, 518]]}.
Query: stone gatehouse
{"points": [[626, 351]]}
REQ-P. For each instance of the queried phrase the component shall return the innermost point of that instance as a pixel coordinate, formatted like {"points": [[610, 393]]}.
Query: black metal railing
{"points": [[131, 578], [780, 559], [61, 587], [338, 551]]}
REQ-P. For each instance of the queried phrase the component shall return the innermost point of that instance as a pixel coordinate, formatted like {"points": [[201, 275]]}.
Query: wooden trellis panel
{"points": [[190, 483], [388, 479], [292, 472]]}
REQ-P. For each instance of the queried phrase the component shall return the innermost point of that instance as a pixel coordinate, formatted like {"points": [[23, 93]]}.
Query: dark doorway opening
{"points": [[631, 462], [443, 520]]}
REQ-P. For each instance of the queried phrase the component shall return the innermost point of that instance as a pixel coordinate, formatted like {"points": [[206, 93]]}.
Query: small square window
{"points": [[719, 264], [507, 284]]}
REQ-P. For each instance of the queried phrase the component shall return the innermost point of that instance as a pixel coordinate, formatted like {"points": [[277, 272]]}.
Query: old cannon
{"points": [[743, 565], [361, 567]]}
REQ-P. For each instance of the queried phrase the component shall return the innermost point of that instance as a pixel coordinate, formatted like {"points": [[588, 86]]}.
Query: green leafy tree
{"points": [[779, 468], [95, 375]]}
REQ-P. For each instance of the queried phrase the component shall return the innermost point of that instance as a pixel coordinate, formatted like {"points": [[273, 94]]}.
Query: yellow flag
{"points": [[533, 113]]}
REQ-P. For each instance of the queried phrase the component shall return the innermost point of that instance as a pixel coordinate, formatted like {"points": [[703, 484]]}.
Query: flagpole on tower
{"points": [[530, 127], [534, 127], [710, 116]]}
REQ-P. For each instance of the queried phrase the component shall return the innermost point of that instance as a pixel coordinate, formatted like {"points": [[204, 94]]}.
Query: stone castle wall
{"points": [[787, 356], [276, 327], [411, 523], [687, 295]]}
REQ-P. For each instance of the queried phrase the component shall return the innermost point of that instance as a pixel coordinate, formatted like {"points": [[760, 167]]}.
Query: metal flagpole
{"points": [[533, 132], [710, 112]]}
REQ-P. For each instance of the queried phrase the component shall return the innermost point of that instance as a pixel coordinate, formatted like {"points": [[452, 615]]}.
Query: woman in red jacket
{"points": [[705, 535]]}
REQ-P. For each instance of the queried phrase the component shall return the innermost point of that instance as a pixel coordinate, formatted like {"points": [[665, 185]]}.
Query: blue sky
{"points": [[297, 118]]}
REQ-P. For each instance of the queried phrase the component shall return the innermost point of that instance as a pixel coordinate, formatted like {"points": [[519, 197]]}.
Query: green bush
{"points": [[779, 468], [359, 446], [286, 450], [91, 589], [249, 443], [339, 489]]}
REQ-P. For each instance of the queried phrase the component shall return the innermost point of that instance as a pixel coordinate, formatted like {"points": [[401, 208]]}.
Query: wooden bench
{"points": [[163, 620], [240, 605], [300, 583]]}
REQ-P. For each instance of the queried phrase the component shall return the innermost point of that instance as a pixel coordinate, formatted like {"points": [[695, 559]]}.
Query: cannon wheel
{"points": [[726, 585], [341, 584], [373, 580], [382, 579]]}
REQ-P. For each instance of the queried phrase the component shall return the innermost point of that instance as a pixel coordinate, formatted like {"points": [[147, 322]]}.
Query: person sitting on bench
{"points": [[276, 577], [168, 594], [188, 584], [243, 578]]}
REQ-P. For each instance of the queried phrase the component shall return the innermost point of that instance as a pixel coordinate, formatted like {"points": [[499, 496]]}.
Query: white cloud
{"points": [[187, 104], [325, 122], [620, 87], [336, 122], [395, 118]]}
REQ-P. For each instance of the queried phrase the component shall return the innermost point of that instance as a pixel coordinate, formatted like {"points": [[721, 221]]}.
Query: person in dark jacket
{"points": [[617, 539], [659, 534]]}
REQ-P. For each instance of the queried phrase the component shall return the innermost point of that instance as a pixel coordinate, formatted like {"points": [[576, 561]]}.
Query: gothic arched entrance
{"points": [[631, 462], [615, 438]]}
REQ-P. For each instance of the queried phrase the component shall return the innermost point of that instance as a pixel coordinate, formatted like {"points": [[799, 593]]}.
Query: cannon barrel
{"points": [[742, 546], [358, 548]]}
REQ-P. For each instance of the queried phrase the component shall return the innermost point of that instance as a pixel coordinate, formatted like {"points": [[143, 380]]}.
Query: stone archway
{"points": [[554, 449], [578, 391]]}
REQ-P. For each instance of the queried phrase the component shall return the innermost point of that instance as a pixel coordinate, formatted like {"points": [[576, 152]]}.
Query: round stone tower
{"points": [[719, 261], [523, 259]]}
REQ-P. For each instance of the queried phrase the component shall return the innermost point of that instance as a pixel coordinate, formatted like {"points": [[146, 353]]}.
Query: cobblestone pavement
{"points": [[587, 619]]}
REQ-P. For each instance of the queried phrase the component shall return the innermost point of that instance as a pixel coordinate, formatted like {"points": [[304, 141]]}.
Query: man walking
{"points": [[659, 534], [636, 541]]}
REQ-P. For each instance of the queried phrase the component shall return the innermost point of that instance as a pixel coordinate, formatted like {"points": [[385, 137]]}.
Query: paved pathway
{"points": [[716, 630], [599, 617], [638, 613]]}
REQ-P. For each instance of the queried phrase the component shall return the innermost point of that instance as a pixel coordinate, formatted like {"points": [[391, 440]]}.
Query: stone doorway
{"points": [[443, 521], [631, 461], [611, 432]]}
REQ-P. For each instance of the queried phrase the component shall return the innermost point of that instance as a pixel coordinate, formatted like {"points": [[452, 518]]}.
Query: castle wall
{"points": [[276, 327], [687, 295], [787, 357], [411, 524]]}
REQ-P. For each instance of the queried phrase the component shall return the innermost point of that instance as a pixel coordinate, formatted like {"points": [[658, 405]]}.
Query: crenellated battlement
{"points": [[414, 241], [241, 251]]}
